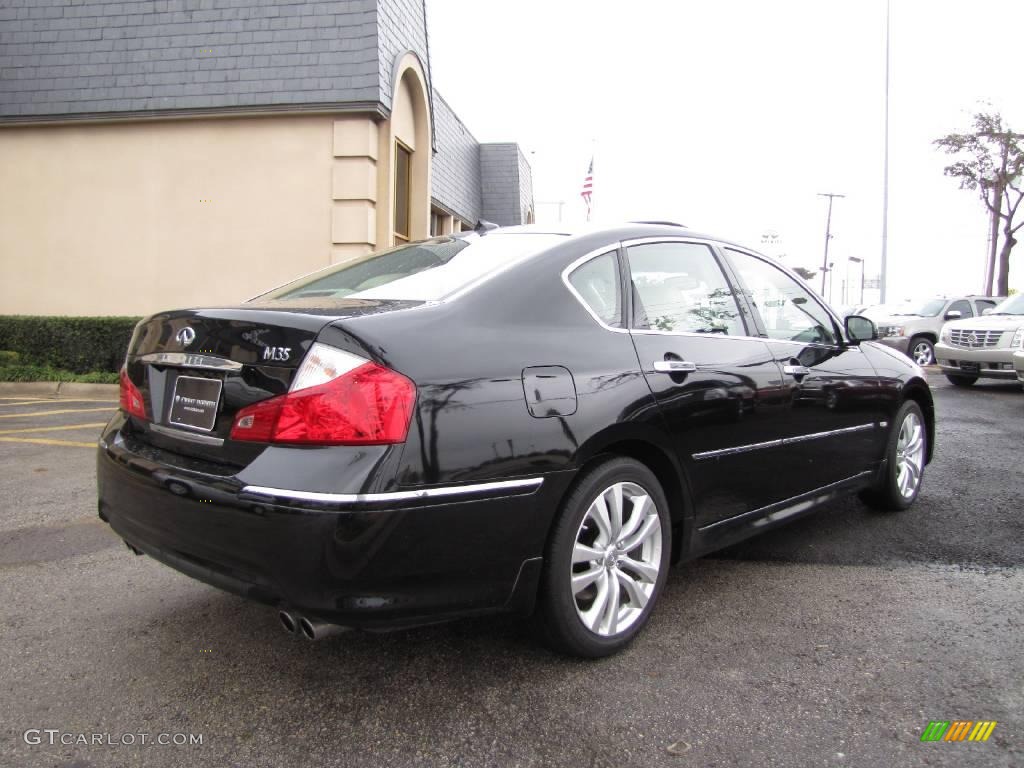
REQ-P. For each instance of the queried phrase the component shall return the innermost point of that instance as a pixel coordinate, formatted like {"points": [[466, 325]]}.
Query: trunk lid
{"points": [[197, 368]]}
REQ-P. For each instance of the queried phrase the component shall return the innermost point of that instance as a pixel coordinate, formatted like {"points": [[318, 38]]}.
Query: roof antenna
{"points": [[482, 226]]}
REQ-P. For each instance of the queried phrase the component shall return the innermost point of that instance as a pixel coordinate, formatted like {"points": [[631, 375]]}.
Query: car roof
{"points": [[629, 230]]}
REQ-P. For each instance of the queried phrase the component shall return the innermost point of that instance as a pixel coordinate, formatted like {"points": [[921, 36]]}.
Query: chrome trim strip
{"points": [[186, 360], [829, 433], [522, 487], [737, 449], [191, 437], [783, 441]]}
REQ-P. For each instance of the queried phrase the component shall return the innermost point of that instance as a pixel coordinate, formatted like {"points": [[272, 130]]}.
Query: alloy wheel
{"points": [[922, 353], [616, 559], [909, 455]]}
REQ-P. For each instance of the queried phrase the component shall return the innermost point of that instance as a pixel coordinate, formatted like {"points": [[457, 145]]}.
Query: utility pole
{"points": [[885, 169], [855, 260], [828, 236]]}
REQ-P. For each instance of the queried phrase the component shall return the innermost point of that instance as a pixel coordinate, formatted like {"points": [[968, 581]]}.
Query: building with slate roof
{"points": [[162, 153]]}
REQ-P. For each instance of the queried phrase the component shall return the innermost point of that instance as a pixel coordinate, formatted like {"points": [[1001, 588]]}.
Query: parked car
{"points": [[1018, 364], [983, 347], [914, 328], [510, 419]]}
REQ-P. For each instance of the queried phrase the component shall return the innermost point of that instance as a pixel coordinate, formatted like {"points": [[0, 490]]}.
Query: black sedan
{"points": [[502, 420]]}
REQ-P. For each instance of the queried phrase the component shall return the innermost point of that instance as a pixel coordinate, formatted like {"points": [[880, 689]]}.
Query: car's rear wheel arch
{"points": [[665, 470]]}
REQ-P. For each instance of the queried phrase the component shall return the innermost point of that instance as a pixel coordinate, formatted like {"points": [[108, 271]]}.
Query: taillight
{"points": [[336, 399], [131, 398]]}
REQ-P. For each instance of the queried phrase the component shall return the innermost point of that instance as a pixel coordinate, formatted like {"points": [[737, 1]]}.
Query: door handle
{"points": [[796, 370], [674, 366]]}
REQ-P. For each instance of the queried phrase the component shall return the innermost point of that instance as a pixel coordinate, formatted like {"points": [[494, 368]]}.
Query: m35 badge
{"points": [[277, 354]]}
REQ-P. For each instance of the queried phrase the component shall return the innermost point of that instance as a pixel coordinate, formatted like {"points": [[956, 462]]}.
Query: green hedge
{"points": [[42, 373], [77, 344]]}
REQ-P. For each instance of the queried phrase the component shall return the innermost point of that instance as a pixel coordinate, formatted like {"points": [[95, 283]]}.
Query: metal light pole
{"points": [[885, 168], [828, 236]]}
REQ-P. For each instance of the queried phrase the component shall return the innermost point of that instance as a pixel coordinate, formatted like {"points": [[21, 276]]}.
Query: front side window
{"points": [[787, 308], [403, 184], [425, 271], [679, 287], [597, 284], [963, 307]]}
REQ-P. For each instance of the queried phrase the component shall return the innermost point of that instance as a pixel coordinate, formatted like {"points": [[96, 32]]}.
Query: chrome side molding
{"points": [[783, 441]]}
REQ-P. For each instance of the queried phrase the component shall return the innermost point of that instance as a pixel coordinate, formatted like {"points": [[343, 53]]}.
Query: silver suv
{"points": [[914, 328], [983, 346]]}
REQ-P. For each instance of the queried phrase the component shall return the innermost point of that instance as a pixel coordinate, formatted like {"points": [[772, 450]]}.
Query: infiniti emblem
{"points": [[185, 336]]}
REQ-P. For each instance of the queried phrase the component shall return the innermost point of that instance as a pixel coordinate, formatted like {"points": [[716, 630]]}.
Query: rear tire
{"points": [[961, 381], [595, 606], [921, 350], [905, 454]]}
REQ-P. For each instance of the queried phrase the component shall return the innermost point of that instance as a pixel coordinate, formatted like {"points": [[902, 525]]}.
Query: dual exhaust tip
{"points": [[311, 629]]}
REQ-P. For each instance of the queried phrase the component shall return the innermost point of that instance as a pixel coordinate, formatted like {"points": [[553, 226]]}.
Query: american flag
{"points": [[588, 186]]}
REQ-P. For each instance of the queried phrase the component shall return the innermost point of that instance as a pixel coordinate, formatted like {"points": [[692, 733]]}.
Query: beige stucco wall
{"points": [[132, 218]]}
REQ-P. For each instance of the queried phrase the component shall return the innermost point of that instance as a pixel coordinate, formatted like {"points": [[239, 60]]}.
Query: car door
{"points": [[835, 422], [716, 384]]}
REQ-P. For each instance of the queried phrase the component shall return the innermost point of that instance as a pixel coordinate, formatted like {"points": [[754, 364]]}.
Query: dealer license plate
{"points": [[194, 404]]}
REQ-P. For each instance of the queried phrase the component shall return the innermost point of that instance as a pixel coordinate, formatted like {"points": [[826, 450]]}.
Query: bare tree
{"points": [[990, 161]]}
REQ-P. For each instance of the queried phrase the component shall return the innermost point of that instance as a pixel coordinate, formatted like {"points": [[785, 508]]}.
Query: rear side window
{"points": [[425, 271], [679, 288], [983, 304], [787, 309], [597, 284]]}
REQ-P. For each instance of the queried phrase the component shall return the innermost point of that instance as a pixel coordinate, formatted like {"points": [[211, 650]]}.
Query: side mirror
{"points": [[860, 328], [987, 310], [954, 314]]}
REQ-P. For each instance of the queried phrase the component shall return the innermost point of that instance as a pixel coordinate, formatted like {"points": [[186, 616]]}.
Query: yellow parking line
{"points": [[52, 413], [45, 441], [52, 429], [61, 400]]}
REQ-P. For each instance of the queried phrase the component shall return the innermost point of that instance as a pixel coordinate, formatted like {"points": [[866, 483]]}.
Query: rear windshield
{"points": [[424, 271]]}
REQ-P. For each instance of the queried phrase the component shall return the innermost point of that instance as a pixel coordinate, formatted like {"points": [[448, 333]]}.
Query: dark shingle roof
{"points": [[64, 58]]}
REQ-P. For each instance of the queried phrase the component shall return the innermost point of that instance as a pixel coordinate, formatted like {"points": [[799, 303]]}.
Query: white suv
{"points": [[983, 346], [913, 329]]}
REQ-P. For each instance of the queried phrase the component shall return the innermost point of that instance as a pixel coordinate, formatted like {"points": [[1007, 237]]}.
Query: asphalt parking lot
{"points": [[832, 642]]}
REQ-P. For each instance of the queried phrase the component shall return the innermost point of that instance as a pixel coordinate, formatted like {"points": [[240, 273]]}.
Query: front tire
{"points": [[905, 454], [961, 381], [606, 561], [922, 351]]}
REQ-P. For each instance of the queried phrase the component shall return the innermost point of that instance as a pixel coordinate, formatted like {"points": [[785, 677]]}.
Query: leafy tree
{"points": [[990, 161], [806, 274]]}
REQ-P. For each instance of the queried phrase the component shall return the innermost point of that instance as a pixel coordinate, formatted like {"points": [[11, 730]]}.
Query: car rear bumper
{"points": [[991, 362], [356, 559]]}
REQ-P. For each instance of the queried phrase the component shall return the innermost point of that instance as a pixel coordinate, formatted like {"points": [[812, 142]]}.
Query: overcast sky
{"points": [[731, 116]]}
